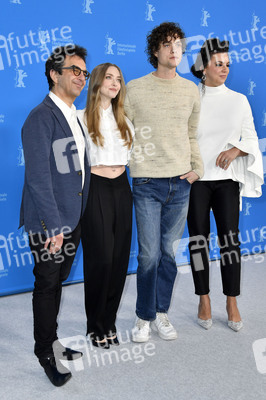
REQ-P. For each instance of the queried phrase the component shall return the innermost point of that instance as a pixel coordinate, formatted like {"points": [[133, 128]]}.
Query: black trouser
{"points": [[106, 239], [50, 271], [223, 198]]}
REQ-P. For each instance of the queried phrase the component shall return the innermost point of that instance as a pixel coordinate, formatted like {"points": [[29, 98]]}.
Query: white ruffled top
{"points": [[226, 121]]}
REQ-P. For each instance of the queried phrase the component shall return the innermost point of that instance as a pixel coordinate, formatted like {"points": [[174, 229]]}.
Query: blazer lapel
{"points": [[59, 115]]}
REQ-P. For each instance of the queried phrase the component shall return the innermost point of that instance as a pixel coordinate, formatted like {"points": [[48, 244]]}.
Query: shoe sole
{"points": [[138, 340], [154, 328]]}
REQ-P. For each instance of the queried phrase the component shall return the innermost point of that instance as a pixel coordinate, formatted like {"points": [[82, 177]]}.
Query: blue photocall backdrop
{"points": [[114, 31]]}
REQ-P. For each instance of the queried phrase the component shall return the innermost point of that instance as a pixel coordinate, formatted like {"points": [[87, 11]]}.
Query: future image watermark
{"points": [[204, 249], [243, 47], [66, 155], [14, 249], [259, 351], [141, 152], [228, 246], [126, 352], [30, 48]]}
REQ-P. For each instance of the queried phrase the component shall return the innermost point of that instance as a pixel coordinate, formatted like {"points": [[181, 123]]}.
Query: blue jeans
{"points": [[161, 206]]}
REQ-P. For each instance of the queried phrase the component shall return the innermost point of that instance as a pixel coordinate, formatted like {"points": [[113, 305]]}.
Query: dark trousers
{"points": [[223, 198], [49, 271], [106, 239]]}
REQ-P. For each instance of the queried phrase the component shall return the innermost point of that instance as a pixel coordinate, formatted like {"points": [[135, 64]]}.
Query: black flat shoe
{"points": [[114, 341], [97, 343], [50, 368], [102, 345]]}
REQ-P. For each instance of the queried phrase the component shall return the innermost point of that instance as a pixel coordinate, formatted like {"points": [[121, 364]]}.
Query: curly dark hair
{"points": [[57, 59], [159, 35], [209, 47]]}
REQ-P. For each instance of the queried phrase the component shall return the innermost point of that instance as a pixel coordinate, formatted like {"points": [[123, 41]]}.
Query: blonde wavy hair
{"points": [[92, 111]]}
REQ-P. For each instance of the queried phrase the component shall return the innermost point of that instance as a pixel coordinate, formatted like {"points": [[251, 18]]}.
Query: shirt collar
{"points": [[66, 110], [108, 111]]}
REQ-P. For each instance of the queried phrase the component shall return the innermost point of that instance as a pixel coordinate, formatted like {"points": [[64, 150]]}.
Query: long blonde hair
{"points": [[92, 111]]}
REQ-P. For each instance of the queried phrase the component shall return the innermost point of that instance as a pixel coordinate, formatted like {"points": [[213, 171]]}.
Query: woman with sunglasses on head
{"points": [[233, 168], [107, 221]]}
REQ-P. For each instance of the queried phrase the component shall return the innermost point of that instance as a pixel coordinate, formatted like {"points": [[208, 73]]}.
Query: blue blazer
{"points": [[53, 199]]}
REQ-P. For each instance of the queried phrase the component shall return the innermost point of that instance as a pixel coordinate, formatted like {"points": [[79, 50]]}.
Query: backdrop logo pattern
{"points": [[20, 158], [15, 1], [110, 42], [251, 87], [263, 118], [121, 49], [19, 78], [87, 6], [149, 10], [3, 196], [2, 118], [13, 47], [246, 208], [204, 17], [254, 22]]}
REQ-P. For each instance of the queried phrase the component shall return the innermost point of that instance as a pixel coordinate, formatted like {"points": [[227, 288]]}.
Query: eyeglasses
{"points": [[77, 71]]}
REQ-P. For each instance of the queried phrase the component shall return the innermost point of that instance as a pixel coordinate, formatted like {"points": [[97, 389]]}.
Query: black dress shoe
{"points": [[114, 341], [50, 368]]}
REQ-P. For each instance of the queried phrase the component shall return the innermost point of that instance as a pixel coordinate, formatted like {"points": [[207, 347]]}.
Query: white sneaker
{"points": [[163, 326], [141, 331]]}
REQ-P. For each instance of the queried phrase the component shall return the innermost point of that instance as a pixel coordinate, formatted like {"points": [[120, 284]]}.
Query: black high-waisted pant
{"points": [[223, 198], [106, 238]]}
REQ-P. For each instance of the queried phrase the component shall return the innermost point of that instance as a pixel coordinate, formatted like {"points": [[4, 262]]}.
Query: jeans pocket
{"points": [[140, 181]]}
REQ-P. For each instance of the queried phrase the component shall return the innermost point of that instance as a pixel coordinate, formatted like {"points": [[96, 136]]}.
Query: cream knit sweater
{"points": [[165, 114]]}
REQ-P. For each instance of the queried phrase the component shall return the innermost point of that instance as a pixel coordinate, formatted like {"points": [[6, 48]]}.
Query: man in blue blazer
{"points": [[57, 176]]}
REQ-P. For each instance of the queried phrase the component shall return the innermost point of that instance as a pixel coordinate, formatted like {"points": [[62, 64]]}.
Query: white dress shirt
{"points": [[70, 114], [226, 121], [113, 152]]}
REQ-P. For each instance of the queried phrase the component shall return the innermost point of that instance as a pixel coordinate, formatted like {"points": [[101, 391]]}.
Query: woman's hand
{"points": [[226, 157], [191, 177]]}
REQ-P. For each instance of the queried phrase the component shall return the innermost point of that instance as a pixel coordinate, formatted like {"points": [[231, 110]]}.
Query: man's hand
{"points": [[56, 243], [226, 157], [191, 177]]}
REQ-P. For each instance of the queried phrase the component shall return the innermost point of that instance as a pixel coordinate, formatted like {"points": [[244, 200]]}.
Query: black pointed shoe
{"points": [[57, 378]]}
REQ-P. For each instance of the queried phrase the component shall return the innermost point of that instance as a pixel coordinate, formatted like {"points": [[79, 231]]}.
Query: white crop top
{"points": [[113, 152]]}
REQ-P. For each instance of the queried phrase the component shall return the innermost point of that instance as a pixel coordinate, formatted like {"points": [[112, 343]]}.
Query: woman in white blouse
{"points": [[233, 167], [107, 221]]}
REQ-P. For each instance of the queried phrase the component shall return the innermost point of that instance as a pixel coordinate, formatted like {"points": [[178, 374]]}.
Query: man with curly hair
{"points": [[164, 109]]}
